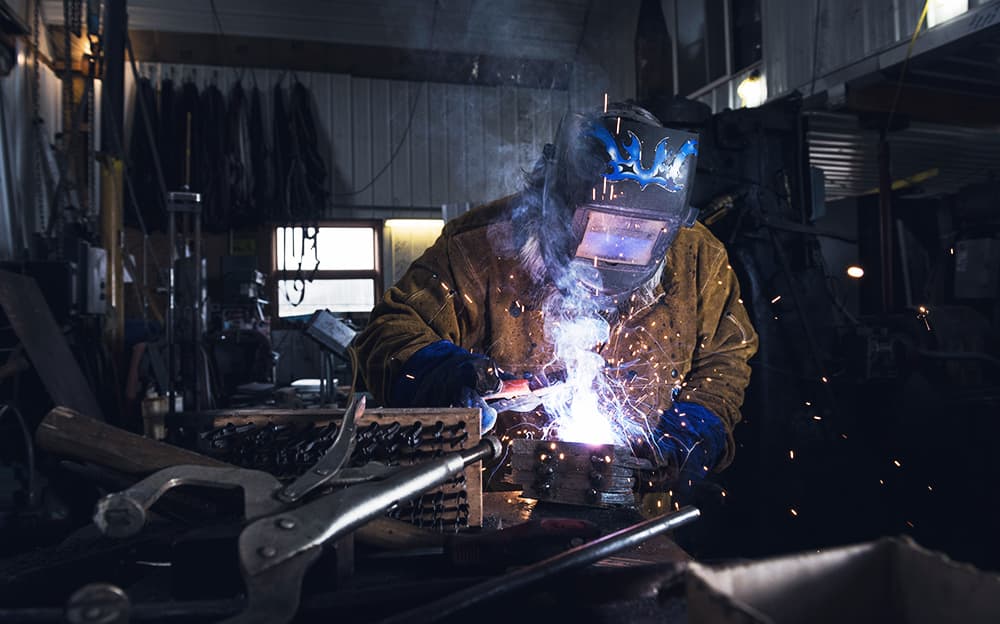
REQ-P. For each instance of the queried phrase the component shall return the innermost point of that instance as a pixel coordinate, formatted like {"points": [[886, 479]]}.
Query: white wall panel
{"points": [[19, 214], [381, 138], [362, 144], [420, 142]]}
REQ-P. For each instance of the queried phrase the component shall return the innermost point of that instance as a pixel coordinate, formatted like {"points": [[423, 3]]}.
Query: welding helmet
{"points": [[627, 180]]}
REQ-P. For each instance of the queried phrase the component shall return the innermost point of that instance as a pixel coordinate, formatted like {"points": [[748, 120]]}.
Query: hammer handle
{"points": [[69, 433]]}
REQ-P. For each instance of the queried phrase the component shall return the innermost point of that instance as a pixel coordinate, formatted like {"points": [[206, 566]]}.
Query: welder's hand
{"points": [[471, 398], [690, 439], [443, 374]]}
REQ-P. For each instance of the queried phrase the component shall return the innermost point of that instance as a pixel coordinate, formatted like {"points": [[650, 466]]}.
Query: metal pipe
{"points": [[112, 172], [196, 380], [171, 317], [885, 223], [572, 559], [904, 265]]}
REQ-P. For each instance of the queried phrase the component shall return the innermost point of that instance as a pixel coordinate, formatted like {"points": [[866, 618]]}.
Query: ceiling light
{"points": [[752, 90]]}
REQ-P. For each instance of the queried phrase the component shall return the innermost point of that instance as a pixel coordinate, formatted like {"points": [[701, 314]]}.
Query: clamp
{"points": [[282, 537]]}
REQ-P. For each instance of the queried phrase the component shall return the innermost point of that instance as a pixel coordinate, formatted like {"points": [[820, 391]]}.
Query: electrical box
{"points": [[94, 281], [330, 332]]}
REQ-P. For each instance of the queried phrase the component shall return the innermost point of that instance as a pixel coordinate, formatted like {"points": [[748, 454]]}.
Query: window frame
{"points": [[732, 74], [277, 274]]}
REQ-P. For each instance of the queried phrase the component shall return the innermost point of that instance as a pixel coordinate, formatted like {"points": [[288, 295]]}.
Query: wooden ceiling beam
{"points": [[366, 61]]}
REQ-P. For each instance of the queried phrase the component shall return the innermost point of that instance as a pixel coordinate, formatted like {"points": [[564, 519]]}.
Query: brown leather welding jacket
{"points": [[470, 288]]}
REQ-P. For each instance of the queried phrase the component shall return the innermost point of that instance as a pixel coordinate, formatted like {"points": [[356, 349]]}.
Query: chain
{"points": [[67, 85], [91, 152], [93, 34], [75, 23], [36, 117]]}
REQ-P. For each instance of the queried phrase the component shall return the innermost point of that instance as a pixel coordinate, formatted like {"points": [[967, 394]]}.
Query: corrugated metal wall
{"points": [[805, 41], [840, 33], [452, 143], [19, 217], [946, 158]]}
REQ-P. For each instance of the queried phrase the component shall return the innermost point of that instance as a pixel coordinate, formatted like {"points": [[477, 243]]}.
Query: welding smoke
{"points": [[575, 327], [586, 409]]}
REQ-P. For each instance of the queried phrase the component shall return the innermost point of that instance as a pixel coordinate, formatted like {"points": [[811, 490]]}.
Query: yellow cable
{"points": [[906, 61]]}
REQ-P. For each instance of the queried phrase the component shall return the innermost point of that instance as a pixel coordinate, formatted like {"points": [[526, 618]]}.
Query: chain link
{"points": [[75, 23], [36, 117]]}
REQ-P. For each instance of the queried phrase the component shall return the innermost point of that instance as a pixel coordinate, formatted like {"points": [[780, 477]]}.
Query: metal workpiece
{"points": [[270, 541], [123, 514], [572, 559], [332, 460], [575, 473]]}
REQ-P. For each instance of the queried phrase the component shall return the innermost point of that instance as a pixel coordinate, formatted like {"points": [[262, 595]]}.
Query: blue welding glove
{"points": [[690, 438], [442, 374]]}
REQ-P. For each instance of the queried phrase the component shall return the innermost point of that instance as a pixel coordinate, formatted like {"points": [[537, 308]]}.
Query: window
{"points": [[332, 267], [745, 23], [405, 240], [701, 44], [715, 39]]}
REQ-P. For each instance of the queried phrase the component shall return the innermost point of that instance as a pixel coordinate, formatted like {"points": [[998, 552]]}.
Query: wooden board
{"points": [[69, 433], [384, 417], [30, 317]]}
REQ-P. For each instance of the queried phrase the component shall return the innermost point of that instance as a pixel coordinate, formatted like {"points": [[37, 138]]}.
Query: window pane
{"points": [[335, 295], [701, 43], [406, 239], [338, 248], [691, 66], [746, 32], [715, 36]]}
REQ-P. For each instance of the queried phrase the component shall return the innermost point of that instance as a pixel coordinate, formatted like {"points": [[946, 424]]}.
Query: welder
{"points": [[602, 223]]}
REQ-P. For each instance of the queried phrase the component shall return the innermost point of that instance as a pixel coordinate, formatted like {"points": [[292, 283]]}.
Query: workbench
{"points": [[637, 585]]}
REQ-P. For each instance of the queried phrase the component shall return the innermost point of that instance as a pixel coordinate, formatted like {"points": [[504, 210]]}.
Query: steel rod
{"points": [[572, 559]]}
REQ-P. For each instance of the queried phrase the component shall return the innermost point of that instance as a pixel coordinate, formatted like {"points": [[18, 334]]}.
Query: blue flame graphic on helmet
{"points": [[665, 171]]}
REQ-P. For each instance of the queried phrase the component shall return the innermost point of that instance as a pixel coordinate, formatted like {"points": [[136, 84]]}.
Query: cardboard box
{"points": [[889, 581]]}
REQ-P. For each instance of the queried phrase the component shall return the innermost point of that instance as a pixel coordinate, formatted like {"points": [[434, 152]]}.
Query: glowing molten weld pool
{"points": [[602, 475]]}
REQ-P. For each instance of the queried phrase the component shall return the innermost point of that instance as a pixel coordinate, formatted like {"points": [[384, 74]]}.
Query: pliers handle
{"points": [[281, 541]]}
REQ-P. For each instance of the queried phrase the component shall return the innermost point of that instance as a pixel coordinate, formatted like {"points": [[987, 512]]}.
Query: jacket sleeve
{"points": [[440, 297], [726, 341]]}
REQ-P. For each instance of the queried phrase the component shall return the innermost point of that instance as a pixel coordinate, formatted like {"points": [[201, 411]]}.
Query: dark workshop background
{"points": [[874, 407]]}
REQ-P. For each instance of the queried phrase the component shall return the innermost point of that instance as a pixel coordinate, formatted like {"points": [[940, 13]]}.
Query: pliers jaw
{"points": [[281, 540]]}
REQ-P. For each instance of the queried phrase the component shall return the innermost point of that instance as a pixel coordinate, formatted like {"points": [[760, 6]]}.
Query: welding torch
{"points": [[517, 395]]}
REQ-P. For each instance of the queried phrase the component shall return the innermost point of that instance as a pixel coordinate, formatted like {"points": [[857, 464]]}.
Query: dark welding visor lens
{"points": [[619, 239]]}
